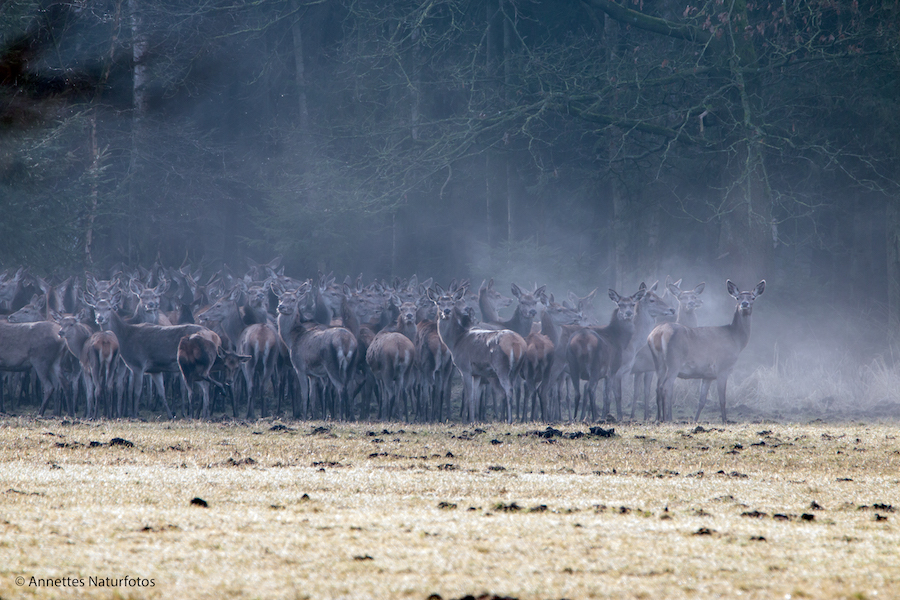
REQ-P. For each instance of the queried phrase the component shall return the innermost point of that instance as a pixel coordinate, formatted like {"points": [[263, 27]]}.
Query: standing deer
{"points": [[495, 356], [26, 346], [147, 309], [595, 353], [197, 353], [144, 348], [706, 353], [10, 289], [327, 354], [649, 309], [262, 345], [644, 368], [523, 316], [391, 357]]}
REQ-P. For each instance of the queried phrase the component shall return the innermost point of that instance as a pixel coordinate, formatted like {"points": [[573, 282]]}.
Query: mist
{"points": [[531, 143]]}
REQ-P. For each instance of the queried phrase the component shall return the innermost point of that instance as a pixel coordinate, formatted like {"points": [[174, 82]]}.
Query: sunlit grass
{"points": [[404, 510]]}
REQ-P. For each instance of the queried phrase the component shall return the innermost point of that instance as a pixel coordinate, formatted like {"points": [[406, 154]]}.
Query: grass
{"points": [[363, 510]]}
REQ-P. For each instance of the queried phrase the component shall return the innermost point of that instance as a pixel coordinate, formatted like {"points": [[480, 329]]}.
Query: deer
{"points": [[568, 317], [98, 354], [10, 289], [41, 307], [595, 353], [523, 316], [393, 360], [25, 346], [490, 301], [391, 357], [147, 309], [144, 348], [495, 356], [644, 369], [705, 353], [197, 354], [649, 310], [557, 321], [261, 344], [224, 317], [328, 354]]}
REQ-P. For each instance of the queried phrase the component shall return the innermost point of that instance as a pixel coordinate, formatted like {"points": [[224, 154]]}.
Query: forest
{"points": [[580, 144]]}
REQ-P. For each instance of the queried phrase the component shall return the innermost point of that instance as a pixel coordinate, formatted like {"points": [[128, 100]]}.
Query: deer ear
{"points": [[515, 290], [654, 286], [760, 288], [700, 287], [673, 289], [733, 290], [639, 295], [614, 295]]}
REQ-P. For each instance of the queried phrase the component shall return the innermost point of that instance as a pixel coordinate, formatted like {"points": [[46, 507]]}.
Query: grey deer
{"points": [[706, 353]]}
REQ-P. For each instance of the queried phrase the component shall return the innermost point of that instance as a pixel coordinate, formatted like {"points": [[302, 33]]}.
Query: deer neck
{"points": [[686, 317], [740, 327], [519, 322], [643, 321], [548, 328], [75, 339], [452, 330], [233, 324], [118, 325], [488, 312]]}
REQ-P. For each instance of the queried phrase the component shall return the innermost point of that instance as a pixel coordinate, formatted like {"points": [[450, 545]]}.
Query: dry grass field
{"points": [[363, 510]]}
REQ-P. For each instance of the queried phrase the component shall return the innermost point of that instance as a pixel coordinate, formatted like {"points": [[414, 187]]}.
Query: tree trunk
{"points": [[95, 191], [300, 71], [621, 263], [508, 157], [892, 230], [745, 239], [140, 81]]}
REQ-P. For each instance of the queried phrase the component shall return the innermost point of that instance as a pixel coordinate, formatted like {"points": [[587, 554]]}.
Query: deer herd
{"points": [[319, 349]]}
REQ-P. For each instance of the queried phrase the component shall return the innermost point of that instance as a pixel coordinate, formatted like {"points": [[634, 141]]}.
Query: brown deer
{"points": [[197, 354], [558, 321], [261, 344], [147, 309], [706, 353], [10, 289], [595, 353], [644, 368], [328, 354], [144, 348], [648, 311], [495, 356], [26, 346], [391, 357], [523, 317]]}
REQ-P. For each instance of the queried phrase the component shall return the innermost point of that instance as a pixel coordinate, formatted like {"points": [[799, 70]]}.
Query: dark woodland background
{"points": [[575, 143]]}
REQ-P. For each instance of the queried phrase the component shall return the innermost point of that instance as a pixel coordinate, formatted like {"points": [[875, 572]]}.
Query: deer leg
{"points": [[704, 390], [722, 383], [576, 399], [90, 408], [159, 384], [634, 393], [204, 393], [648, 385]]}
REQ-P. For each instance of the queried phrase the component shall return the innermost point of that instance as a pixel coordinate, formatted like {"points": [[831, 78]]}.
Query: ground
{"points": [[272, 509]]}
